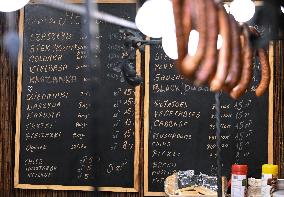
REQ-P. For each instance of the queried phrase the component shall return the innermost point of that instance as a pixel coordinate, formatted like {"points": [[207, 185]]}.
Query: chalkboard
{"points": [[77, 122], [180, 125]]}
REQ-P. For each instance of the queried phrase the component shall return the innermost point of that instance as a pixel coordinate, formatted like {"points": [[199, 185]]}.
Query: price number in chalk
{"points": [[116, 167], [242, 104], [86, 169], [243, 124]]}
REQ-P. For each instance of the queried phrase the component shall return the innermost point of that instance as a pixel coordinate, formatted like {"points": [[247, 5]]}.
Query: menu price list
{"points": [[182, 125], [77, 118]]}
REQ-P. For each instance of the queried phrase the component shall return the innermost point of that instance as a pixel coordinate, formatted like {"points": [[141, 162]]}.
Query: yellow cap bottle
{"points": [[270, 169]]}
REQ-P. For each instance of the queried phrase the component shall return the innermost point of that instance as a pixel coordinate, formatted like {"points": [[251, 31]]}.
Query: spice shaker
{"points": [[269, 172], [239, 180]]}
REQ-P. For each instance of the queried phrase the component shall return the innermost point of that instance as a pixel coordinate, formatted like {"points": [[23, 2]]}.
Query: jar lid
{"points": [[270, 169], [239, 169]]}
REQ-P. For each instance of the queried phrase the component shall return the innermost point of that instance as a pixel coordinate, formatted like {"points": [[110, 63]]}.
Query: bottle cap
{"points": [[239, 169], [270, 169]]}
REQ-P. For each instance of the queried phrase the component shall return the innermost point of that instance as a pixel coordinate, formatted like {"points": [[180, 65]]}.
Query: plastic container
{"points": [[239, 180], [269, 171]]}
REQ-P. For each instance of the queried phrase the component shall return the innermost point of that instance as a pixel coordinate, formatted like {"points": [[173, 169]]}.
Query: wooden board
{"points": [[101, 151]]}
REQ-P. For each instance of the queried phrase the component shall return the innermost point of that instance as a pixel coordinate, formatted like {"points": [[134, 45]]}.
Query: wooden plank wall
{"points": [[278, 106], [8, 77]]}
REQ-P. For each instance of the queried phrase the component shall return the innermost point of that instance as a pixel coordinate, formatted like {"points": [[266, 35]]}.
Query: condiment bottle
{"points": [[239, 180], [269, 171]]}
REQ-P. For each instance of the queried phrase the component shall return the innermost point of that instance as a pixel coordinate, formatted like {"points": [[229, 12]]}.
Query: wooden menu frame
{"points": [[18, 120], [146, 118]]}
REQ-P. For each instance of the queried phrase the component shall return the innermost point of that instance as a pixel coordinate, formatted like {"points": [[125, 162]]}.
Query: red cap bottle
{"points": [[239, 180], [239, 169]]}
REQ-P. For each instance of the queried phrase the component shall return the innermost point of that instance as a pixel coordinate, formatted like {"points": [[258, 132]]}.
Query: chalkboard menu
{"points": [[180, 126], [77, 122]]}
